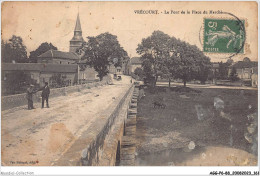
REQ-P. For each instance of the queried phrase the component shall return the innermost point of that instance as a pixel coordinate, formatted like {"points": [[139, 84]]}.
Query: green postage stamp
{"points": [[224, 35]]}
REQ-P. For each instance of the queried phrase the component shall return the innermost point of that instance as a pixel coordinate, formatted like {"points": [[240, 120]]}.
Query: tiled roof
{"points": [[136, 60], [60, 55], [54, 68], [242, 64]]}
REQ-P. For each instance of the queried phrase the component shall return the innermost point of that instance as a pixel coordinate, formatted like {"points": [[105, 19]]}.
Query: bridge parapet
{"points": [[98, 144]]}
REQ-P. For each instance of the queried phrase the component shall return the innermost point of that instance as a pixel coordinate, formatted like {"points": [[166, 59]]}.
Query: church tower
{"points": [[77, 39]]}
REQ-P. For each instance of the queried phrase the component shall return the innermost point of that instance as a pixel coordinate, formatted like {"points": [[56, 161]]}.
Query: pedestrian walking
{"points": [[45, 94], [29, 96]]}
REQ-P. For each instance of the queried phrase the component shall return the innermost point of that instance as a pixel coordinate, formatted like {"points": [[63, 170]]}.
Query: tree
{"points": [[101, 51], [14, 50], [40, 50], [6, 52], [17, 82], [222, 71], [191, 63], [246, 59], [186, 69], [233, 74], [168, 57], [154, 51], [139, 72], [230, 61], [58, 80], [204, 69]]}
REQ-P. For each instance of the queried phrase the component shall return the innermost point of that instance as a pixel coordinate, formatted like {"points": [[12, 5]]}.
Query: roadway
{"points": [[40, 137]]}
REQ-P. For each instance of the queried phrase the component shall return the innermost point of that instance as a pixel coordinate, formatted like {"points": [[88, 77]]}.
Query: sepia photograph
{"points": [[136, 83]]}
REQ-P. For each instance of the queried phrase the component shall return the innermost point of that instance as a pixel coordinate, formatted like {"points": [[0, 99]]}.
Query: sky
{"points": [[38, 22]]}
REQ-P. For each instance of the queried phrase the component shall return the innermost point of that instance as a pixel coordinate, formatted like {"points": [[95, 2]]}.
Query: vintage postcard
{"points": [[130, 84]]}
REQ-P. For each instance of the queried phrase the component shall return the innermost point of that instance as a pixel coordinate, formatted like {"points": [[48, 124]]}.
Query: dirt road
{"points": [[41, 136]]}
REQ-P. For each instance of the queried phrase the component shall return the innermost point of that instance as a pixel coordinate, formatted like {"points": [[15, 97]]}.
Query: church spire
{"points": [[78, 26], [77, 39]]}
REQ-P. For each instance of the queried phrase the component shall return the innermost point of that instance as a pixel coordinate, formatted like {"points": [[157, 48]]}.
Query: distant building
{"points": [[71, 58], [58, 57], [86, 73], [254, 77], [42, 73], [215, 67], [244, 69], [135, 62], [124, 69]]}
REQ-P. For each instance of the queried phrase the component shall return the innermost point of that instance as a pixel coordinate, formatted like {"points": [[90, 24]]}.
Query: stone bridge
{"points": [[86, 125]]}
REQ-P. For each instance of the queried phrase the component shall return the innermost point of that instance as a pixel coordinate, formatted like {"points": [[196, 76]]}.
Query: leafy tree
{"points": [[233, 74], [102, 50], [190, 61], [246, 59], [154, 51], [6, 52], [40, 50], [16, 82], [168, 57], [58, 80], [204, 70], [171, 64], [230, 61], [223, 69], [14, 50], [139, 72]]}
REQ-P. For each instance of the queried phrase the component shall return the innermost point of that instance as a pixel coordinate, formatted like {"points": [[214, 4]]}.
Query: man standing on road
{"points": [[29, 96], [45, 94]]}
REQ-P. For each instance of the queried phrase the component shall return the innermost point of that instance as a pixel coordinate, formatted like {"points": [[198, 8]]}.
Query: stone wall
{"points": [[92, 154], [93, 148], [12, 101]]}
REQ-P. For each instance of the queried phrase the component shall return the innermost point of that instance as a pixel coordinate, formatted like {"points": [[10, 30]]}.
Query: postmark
{"points": [[224, 36]]}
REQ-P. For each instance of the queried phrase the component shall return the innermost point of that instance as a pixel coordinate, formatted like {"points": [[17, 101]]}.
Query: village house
{"points": [[135, 62], [254, 77], [124, 69], [67, 66], [55, 66], [58, 57], [41, 73], [246, 70], [87, 74]]}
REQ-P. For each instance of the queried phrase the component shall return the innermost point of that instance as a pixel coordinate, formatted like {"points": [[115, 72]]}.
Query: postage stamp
{"points": [[223, 35]]}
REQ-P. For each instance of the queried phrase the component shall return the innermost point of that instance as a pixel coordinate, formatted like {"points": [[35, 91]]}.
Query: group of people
{"points": [[45, 95]]}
